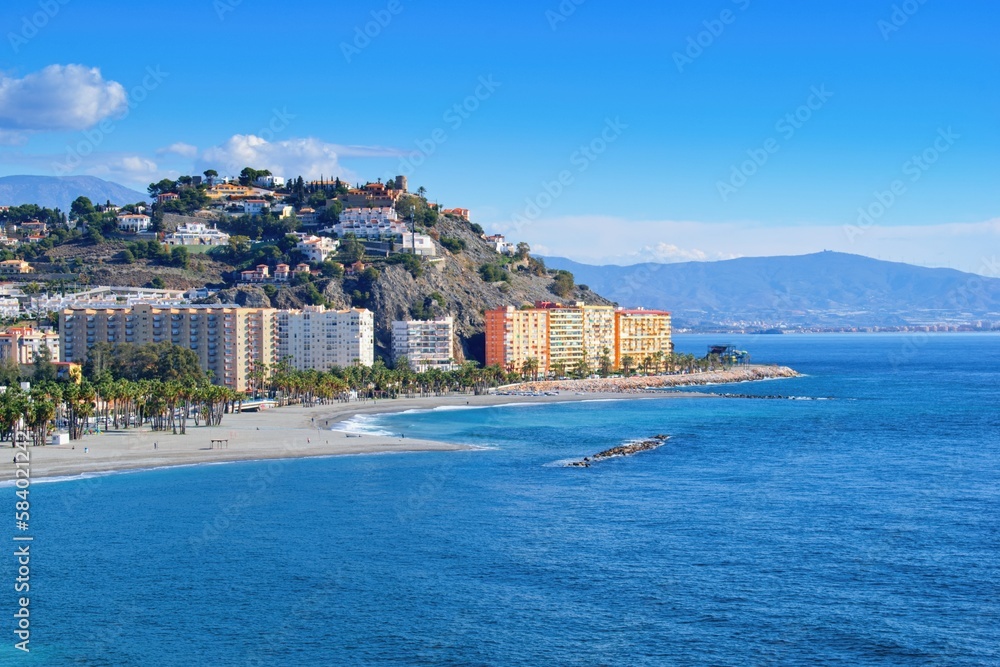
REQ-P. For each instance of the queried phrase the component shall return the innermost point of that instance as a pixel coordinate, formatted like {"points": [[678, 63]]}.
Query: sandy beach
{"points": [[285, 432], [298, 432]]}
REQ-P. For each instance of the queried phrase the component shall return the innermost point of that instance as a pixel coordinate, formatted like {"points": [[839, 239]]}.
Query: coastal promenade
{"points": [[299, 432]]}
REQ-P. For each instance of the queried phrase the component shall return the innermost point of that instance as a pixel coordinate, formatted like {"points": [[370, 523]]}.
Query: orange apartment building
{"points": [[514, 336], [641, 333], [563, 336]]}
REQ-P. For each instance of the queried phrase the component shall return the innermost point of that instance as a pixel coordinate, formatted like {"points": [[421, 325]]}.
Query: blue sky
{"points": [[685, 108]]}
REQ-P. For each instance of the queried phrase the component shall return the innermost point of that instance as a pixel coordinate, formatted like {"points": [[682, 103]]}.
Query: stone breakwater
{"points": [[627, 449], [641, 383]]}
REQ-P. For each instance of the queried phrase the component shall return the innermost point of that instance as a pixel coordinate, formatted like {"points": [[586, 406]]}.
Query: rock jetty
{"points": [[638, 384], [628, 449]]}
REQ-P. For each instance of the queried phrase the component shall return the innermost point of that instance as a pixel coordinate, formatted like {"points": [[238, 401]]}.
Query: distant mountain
{"points": [[60, 191], [823, 289]]}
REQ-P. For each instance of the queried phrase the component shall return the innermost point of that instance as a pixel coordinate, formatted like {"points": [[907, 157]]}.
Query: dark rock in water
{"points": [[621, 450]]}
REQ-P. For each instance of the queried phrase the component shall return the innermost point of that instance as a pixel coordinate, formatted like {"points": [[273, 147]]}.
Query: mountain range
{"points": [[827, 289], [60, 191]]}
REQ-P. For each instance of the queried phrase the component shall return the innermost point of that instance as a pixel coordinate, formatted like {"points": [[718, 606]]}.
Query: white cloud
{"points": [[308, 157], [131, 170], [179, 148], [59, 97], [668, 253], [8, 138], [610, 240]]}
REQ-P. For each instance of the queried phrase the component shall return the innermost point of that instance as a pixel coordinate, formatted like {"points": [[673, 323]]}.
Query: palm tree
{"points": [[606, 364], [530, 367], [647, 363], [13, 404], [628, 362]]}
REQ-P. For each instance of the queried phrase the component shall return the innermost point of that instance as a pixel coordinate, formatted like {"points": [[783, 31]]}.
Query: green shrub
{"points": [[492, 273]]}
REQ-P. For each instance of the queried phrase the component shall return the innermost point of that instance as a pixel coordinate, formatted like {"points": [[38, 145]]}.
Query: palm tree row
{"points": [[309, 387], [111, 404], [650, 364]]}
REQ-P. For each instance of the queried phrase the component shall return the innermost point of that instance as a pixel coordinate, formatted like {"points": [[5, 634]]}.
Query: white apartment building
{"points": [[416, 244], [369, 222], [501, 245], [133, 223], [321, 339], [109, 297], [196, 233], [270, 181], [254, 206], [316, 249], [425, 344], [9, 306]]}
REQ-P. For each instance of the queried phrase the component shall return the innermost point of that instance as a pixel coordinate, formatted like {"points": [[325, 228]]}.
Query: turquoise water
{"points": [[861, 530]]}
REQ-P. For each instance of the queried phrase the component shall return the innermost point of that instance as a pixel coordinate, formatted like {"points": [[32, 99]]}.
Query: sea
{"points": [[855, 520]]}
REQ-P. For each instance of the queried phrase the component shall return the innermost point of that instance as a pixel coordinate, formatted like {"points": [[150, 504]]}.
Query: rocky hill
{"points": [[452, 283], [82, 261], [449, 284], [465, 294]]}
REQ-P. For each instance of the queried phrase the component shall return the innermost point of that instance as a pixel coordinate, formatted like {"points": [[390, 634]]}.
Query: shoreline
{"points": [[642, 383], [289, 432]]}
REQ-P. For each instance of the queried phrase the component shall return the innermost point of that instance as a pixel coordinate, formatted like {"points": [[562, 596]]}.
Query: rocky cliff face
{"points": [[465, 295], [449, 284]]}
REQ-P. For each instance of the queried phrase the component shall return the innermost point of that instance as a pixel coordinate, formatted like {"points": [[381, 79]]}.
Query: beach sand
{"points": [[285, 432]]}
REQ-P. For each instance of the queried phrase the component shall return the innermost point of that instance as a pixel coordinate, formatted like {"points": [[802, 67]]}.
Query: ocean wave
{"points": [[363, 424], [454, 408], [95, 474]]}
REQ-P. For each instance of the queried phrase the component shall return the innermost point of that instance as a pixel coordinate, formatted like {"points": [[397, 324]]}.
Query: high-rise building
{"points": [[640, 334], [229, 341], [23, 344], [564, 337], [514, 337], [598, 334], [426, 344], [321, 339], [579, 333]]}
